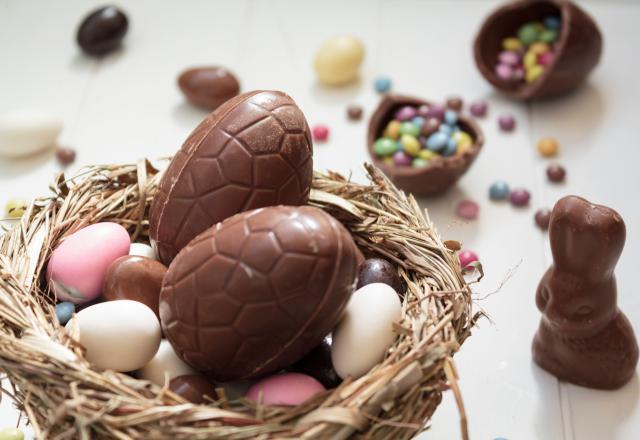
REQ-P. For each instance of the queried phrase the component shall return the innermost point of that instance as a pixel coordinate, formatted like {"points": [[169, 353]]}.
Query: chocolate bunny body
{"points": [[583, 337]]}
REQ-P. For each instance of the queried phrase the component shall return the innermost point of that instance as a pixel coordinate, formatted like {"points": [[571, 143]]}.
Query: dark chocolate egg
{"points": [[208, 87], [255, 293], [378, 270], [136, 278], [102, 31], [253, 151], [194, 388], [317, 364]]}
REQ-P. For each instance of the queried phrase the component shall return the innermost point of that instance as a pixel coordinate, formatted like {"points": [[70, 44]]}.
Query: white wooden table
{"points": [[127, 106]]}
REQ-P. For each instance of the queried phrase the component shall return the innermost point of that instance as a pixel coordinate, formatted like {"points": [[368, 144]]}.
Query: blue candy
{"points": [[451, 148], [437, 141], [499, 190], [552, 23], [450, 117], [64, 310], [382, 84], [418, 120], [444, 128]]}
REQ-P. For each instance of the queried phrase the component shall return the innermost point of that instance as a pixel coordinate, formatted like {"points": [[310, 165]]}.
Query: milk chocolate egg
{"points": [[135, 278], [194, 388], [208, 87], [253, 151], [255, 293]]}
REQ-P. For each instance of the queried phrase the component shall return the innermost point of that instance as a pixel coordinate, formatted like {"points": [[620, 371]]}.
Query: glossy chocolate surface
{"points": [[378, 270], [136, 278], [208, 87], [255, 150], [583, 337], [102, 31], [317, 364], [194, 388], [255, 293], [442, 172], [577, 51]]}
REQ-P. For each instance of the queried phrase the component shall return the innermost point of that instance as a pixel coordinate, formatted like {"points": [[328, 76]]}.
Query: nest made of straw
{"points": [[65, 397]]}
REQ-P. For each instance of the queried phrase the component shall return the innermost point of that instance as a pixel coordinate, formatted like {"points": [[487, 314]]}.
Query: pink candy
{"points": [[468, 209], [400, 158], [509, 58], [320, 132], [467, 257], [285, 389], [545, 58], [504, 71]]}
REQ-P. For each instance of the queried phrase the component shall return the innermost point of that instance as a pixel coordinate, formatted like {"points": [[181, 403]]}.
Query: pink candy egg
{"points": [[467, 257], [79, 264], [285, 389], [504, 71]]}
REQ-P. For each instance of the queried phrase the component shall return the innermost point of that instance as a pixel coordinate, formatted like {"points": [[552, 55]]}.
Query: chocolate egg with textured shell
{"points": [[255, 293], [254, 151], [208, 87]]}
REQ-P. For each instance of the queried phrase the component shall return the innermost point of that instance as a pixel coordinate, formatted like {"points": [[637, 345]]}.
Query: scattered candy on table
{"points": [[11, 434], [288, 389], [478, 109], [354, 112], [506, 122], [66, 156], [15, 208], [499, 190], [320, 133], [64, 310], [208, 87], [548, 147], [556, 173], [382, 84], [454, 103], [418, 134], [542, 218], [467, 257], [24, 132], [102, 30], [468, 209], [338, 60], [519, 197], [526, 57]]}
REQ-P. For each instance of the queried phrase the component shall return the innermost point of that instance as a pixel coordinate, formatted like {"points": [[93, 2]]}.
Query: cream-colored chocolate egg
{"points": [[338, 60]]}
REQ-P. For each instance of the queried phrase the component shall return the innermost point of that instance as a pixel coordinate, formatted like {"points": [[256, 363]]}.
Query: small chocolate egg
{"points": [[143, 250], [165, 364], [119, 335], [287, 389], [378, 270], [24, 132], [366, 330], [208, 87], [194, 388], [338, 60], [135, 278], [77, 267], [102, 30], [317, 364]]}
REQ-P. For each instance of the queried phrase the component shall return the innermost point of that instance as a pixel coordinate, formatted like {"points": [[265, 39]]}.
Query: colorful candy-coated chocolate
{"points": [[64, 311], [393, 130], [382, 84], [519, 197], [423, 111], [556, 173], [15, 208], [528, 33], [544, 59], [451, 117], [534, 73], [430, 126], [450, 148], [437, 141], [427, 154], [468, 209], [419, 162], [405, 113], [419, 121], [463, 139], [401, 159], [542, 218], [436, 111], [354, 112], [445, 128], [530, 59], [454, 103], [506, 122], [518, 73], [385, 146], [548, 36], [509, 57], [552, 22], [548, 147], [409, 128], [286, 389], [504, 71], [511, 44], [539, 48], [499, 190], [478, 109], [467, 257], [320, 133], [410, 144], [77, 267]]}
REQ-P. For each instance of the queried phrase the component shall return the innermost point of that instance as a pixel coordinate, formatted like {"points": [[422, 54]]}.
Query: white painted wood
{"points": [[127, 106]]}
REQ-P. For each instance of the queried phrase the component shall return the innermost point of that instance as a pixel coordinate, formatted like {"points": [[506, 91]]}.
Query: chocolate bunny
{"points": [[583, 337]]}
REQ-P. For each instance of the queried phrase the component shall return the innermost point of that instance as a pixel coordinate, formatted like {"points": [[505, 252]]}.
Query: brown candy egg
{"points": [[253, 151], [194, 388], [135, 278], [577, 50], [255, 293], [208, 87], [378, 270]]}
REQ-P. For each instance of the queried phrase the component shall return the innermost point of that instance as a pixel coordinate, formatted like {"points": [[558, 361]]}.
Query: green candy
{"points": [[419, 162], [11, 434], [548, 36], [409, 128], [528, 33], [385, 146]]}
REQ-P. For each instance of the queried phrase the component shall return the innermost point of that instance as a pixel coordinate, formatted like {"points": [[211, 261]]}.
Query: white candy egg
{"points": [[338, 60], [165, 361], [27, 131], [120, 335], [365, 331], [143, 250]]}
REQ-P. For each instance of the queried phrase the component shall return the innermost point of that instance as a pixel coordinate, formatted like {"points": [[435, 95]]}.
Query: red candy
{"points": [[320, 133], [468, 209]]}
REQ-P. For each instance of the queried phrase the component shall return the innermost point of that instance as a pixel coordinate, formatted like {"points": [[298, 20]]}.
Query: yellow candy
{"points": [[539, 26], [511, 44], [393, 130], [410, 144], [548, 147], [427, 154], [15, 208], [338, 60], [534, 73], [463, 148], [388, 160], [539, 48], [530, 60], [462, 137]]}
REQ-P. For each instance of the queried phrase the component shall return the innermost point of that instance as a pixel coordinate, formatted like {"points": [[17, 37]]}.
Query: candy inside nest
{"points": [[65, 397]]}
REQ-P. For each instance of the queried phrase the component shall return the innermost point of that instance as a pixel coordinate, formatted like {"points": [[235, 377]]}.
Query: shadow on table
{"points": [[335, 95], [188, 115], [13, 167]]}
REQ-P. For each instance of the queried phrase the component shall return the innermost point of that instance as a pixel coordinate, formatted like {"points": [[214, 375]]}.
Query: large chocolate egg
{"points": [[255, 293], [253, 151]]}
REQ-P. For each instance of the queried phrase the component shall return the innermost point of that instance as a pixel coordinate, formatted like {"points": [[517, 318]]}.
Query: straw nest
{"points": [[65, 397]]}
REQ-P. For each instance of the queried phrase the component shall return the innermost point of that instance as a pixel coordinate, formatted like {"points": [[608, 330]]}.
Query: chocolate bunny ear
{"points": [[585, 238]]}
